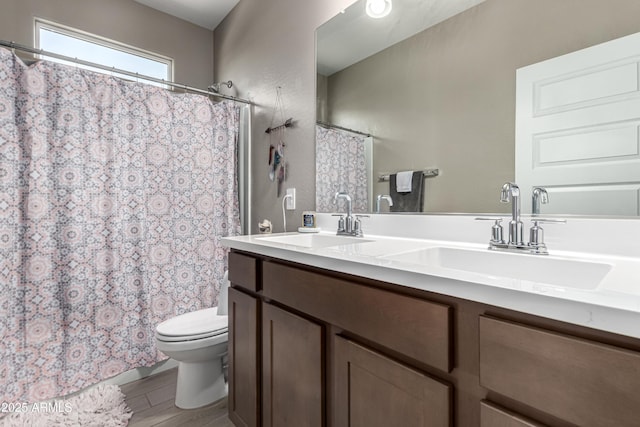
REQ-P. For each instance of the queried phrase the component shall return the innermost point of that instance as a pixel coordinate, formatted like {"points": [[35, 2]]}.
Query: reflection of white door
{"points": [[577, 130]]}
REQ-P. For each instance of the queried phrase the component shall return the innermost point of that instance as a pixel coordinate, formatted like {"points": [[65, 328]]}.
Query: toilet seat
{"points": [[191, 326]]}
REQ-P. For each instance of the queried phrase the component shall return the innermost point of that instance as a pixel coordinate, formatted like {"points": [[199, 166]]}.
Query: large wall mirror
{"points": [[432, 87]]}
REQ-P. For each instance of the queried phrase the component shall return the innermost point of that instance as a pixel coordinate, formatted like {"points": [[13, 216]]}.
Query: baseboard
{"points": [[139, 373], [135, 374]]}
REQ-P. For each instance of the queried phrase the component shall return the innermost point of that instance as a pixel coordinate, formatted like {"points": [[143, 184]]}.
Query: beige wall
{"points": [[125, 21], [263, 44], [446, 97]]}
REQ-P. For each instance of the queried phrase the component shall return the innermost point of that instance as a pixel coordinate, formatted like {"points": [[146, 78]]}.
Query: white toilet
{"points": [[198, 341]]}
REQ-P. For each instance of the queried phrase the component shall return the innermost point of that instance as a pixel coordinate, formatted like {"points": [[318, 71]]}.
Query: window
{"points": [[88, 47]]}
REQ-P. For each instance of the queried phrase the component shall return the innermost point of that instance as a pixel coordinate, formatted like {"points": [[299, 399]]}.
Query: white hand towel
{"points": [[403, 181]]}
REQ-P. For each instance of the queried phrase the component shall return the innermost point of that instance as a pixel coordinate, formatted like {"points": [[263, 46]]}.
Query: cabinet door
{"points": [[292, 367], [373, 390], [243, 359]]}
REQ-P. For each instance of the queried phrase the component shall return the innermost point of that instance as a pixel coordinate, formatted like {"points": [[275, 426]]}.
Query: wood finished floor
{"points": [[152, 402]]}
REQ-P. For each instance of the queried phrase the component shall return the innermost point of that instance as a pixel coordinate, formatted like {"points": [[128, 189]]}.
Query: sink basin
{"points": [[314, 240], [533, 268]]}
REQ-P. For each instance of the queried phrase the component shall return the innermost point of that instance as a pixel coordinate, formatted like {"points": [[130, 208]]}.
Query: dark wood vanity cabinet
{"points": [[301, 351], [276, 373], [311, 347]]}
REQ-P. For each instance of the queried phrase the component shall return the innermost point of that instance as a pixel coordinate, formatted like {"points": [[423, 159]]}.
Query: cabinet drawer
{"points": [[375, 391], [580, 381], [243, 271], [411, 326], [494, 416]]}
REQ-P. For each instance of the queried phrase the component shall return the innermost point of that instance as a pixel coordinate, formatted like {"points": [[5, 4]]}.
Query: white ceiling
{"points": [[348, 37], [205, 13], [352, 36]]}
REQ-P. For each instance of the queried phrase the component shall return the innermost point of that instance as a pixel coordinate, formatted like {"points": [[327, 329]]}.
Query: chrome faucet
{"points": [[511, 193], [383, 197], [345, 225], [538, 195]]}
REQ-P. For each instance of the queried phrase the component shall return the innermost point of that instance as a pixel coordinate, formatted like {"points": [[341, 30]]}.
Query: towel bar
{"points": [[428, 173]]}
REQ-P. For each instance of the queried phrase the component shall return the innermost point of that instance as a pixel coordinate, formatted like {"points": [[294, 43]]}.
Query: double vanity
{"points": [[425, 325]]}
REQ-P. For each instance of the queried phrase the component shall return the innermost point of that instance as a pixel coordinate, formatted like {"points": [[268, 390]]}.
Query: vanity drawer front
{"points": [[494, 416], [580, 381], [411, 326], [243, 271]]}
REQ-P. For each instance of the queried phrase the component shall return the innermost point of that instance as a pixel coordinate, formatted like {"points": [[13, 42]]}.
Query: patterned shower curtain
{"points": [[340, 166], [113, 198]]}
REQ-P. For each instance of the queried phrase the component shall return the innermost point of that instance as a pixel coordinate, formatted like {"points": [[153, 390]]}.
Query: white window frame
{"points": [[101, 41]]}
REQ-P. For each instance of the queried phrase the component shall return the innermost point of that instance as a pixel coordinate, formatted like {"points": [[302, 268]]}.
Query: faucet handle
{"points": [[536, 233], [496, 229], [341, 228], [548, 220], [357, 225]]}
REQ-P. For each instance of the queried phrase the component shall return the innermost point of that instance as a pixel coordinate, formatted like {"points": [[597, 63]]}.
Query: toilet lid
{"points": [[196, 324]]}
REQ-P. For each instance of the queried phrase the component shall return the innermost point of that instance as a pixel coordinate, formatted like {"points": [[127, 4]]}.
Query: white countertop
{"points": [[613, 304]]}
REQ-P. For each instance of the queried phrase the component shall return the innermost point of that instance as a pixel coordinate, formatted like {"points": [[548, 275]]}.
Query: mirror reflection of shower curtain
{"points": [[343, 163]]}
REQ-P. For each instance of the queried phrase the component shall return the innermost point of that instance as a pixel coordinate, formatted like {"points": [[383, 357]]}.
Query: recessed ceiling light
{"points": [[378, 8]]}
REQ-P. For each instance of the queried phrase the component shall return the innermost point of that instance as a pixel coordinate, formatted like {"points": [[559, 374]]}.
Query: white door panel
{"points": [[577, 130], [622, 199], [580, 88]]}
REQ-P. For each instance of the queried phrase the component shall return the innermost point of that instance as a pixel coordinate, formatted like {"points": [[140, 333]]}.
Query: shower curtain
{"points": [[113, 198], [340, 166]]}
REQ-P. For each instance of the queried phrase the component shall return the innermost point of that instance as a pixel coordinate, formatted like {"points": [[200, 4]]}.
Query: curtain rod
{"points": [[328, 125], [13, 45]]}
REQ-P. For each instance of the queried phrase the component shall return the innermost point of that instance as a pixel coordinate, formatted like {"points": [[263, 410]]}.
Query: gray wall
{"points": [[446, 97], [125, 21], [261, 45]]}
